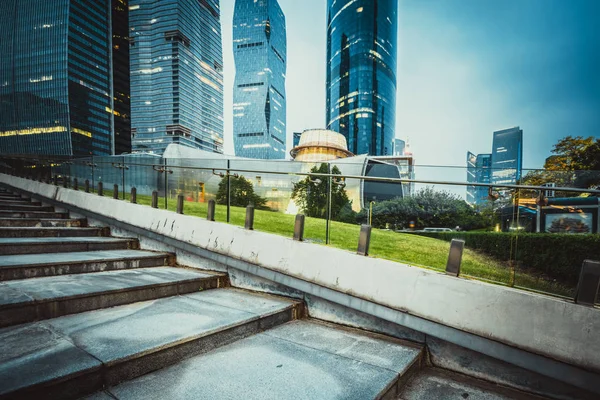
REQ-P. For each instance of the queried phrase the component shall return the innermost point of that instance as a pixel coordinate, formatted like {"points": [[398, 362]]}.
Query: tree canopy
{"points": [[310, 194], [575, 163], [242, 193]]}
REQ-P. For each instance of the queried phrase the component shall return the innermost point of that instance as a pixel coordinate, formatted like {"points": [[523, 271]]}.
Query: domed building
{"points": [[318, 145]]}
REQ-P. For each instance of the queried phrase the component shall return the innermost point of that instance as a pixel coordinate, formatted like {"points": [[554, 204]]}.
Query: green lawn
{"points": [[401, 247]]}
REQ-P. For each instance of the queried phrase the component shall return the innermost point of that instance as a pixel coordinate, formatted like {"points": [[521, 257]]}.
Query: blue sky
{"points": [[465, 69]]}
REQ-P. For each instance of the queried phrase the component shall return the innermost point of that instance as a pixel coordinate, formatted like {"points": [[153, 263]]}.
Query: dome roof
{"points": [[321, 139]]}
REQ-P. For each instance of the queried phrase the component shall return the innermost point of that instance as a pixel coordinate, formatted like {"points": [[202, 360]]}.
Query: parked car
{"points": [[437, 230]]}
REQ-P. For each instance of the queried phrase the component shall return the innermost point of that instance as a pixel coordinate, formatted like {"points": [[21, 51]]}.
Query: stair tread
{"points": [[43, 240], [434, 383], [271, 366], [27, 260], [63, 286], [122, 332]]}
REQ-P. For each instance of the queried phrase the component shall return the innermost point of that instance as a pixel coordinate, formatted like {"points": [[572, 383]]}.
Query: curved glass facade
{"points": [[361, 73], [176, 74], [55, 80], [259, 102]]}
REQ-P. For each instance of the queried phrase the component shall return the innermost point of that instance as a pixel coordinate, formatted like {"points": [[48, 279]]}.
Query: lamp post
{"points": [[371, 210]]}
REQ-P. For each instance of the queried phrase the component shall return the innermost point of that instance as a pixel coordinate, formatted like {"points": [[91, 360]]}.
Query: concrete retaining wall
{"points": [[539, 324]]}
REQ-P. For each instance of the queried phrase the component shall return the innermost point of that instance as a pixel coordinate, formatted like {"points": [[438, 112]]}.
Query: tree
{"points": [[242, 193], [310, 195], [575, 163]]}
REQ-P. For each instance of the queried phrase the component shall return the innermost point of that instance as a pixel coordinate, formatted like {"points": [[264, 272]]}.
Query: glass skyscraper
{"points": [[121, 84], [259, 109], [55, 78], [361, 73], [507, 156], [478, 171], [176, 74]]}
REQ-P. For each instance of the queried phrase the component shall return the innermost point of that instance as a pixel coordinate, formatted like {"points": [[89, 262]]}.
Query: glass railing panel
{"points": [[279, 190], [198, 181]]}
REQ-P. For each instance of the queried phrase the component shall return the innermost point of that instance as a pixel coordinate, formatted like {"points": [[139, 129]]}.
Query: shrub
{"points": [[557, 256]]}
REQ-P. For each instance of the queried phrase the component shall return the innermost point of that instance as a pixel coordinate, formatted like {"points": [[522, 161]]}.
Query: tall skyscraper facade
{"points": [[478, 171], [176, 74], [121, 83], [507, 156], [361, 73], [259, 102], [55, 78]]}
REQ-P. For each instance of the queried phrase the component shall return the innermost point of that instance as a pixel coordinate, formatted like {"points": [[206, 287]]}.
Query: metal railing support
{"points": [[210, 214], [249, 223], [299, 227], [180, 199], [589, 281], [364, 240], [455, 257], [154, 199]]}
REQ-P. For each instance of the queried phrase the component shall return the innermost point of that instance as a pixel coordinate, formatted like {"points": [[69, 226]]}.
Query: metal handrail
{"points": [[162, 168]]}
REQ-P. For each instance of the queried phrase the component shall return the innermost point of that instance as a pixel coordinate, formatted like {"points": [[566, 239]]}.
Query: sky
{"points": [[465, 69]]}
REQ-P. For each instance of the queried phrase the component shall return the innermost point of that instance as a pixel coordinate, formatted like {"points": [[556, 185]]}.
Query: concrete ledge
{"points": [[556, 329]]}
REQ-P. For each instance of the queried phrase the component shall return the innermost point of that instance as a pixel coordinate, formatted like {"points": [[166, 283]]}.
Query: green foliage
{"points": [[310, 195], [556, 256], [242, 193], [428, 208], [575, 163]]}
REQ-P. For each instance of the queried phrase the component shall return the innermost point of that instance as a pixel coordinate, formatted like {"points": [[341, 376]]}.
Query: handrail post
{"points": [[589, 281], [455, 257], [154, 199], [299, 227], [249, 223], [210, 215], [364, 240], [180, 199]]}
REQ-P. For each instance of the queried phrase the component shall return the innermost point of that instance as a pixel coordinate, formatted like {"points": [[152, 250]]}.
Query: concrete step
{"points": [[11, 246], [433, 383], [40, 265], [32, 214], [42, 222], [298, 360], [75, 355], [36, 299], [20, 201], [16, 232], [24, 207]]}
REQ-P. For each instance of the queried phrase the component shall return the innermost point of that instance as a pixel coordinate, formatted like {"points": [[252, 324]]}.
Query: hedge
{"points": [[557, 256]]}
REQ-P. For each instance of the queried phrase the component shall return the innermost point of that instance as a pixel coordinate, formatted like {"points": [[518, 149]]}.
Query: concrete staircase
{"points": [[83, 313]]}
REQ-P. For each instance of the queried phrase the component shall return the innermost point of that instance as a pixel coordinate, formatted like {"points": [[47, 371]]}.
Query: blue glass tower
{"points": [[55, 78], [361, 73], [176, 74], [478, 171], [507, 156], [259, 102]]}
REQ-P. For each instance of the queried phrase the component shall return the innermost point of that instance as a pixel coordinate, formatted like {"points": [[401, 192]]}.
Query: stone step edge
{"points": [[38, 310], [53, 231], [44, 270]]}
